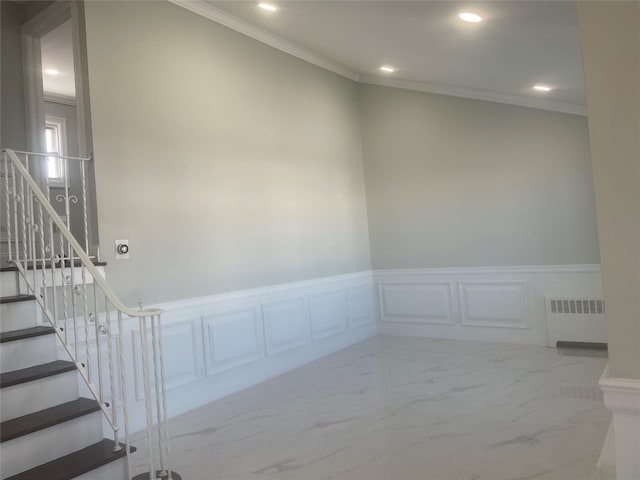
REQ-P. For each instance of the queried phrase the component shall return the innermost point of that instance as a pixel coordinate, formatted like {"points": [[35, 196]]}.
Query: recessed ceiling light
{"points": [[542, 88], [51, 71], [470, 17], [268, 7], [388, 69]]}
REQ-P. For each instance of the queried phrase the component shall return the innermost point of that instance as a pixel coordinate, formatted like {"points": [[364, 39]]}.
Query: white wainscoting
{"points": [[493, 304], [182, 357], [215, 346], [425, 302], [286, 324], [501, 304], [232, 339], [218, 345], [360, 306], [328, 313]]}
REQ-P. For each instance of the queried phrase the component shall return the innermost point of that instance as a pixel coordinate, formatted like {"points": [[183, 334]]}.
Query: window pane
{"points": [[52, 139], [49, 138], [53, 167]]}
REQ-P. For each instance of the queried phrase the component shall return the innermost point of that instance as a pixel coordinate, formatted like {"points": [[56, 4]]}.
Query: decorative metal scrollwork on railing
{"points": [[61, 290], [63, 198]]}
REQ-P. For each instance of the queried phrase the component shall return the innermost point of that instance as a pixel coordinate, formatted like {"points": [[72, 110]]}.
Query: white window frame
{"points": [[60, 124]]}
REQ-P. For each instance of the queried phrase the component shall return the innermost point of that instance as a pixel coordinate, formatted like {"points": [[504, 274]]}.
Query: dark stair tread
{"points": [[17, 427], [17, 298], [75, 464], [76, 263], [26, 333], [24, 375]]}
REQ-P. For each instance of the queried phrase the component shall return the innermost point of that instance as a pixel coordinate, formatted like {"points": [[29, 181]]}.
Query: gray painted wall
{"points": [[13, 123], [226, 163], [230, 165], [13, 126], [458, 182], [610, 34]]}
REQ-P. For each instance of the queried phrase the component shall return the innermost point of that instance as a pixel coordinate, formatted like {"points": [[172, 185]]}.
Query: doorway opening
{"points": [[56, 113]]}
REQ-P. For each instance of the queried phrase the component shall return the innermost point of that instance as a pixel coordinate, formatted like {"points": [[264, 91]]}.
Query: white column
{"points": [[622, 398], [610, 38]]}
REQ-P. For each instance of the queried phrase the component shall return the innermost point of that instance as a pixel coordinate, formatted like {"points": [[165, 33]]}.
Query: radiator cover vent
{"points": [[577, 306], [575, 318]]}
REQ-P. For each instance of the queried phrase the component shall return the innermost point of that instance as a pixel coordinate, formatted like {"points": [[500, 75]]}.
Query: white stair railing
{"points": [[73, 295]]}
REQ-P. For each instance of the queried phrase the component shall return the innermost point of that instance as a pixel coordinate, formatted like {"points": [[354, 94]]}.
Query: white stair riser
{"points": [[18, 315], [30, 397], [39, 447], [12, 284], [8, 284], [27, 352], [58, 276], [116, 470]]}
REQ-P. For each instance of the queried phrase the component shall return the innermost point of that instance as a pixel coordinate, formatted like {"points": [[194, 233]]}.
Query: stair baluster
{"points": [[30, 214]]}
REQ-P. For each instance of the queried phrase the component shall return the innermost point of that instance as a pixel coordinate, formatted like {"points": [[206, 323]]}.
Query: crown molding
{"points": [[207, 10], [519, 100], [204, 9]]}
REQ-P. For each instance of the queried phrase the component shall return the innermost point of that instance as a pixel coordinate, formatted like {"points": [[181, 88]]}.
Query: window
{"points": [[55, 143]]}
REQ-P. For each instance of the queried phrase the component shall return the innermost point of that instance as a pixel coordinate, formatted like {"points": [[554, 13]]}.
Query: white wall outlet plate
{"points": [[122, 249]]}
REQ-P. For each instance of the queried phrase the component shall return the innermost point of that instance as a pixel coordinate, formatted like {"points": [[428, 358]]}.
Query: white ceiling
{"points": [[518, 44], [57, 53]]}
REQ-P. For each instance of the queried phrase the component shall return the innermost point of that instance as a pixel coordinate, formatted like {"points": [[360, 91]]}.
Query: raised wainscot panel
{"points": [[231, 339], [359, 306], [328, 313], [286, 324], [416, 302], [93, 365], [493, 304], [181, 364]]}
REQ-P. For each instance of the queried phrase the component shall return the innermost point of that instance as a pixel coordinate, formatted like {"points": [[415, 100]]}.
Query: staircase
{"points": [[62, 362], [48, 430]]}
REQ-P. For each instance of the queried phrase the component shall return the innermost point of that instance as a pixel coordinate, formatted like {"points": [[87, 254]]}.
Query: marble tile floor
{"points": [[394, 408]]}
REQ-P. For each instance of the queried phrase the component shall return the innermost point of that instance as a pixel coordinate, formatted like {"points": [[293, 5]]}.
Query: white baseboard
{"points": [[622, 398], [217, 345], [499, 304]]}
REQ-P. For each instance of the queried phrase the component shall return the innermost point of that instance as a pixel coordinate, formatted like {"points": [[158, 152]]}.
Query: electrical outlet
{"points": [[122, 249]]}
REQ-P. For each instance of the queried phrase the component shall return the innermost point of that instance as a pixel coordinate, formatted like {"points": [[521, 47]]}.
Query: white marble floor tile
{"points": [[395, 408]]}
